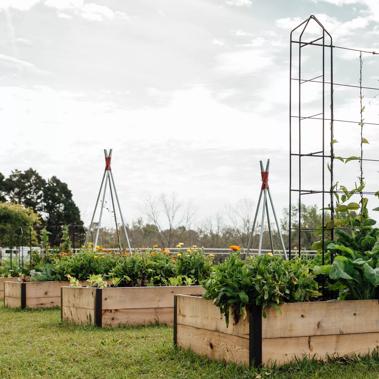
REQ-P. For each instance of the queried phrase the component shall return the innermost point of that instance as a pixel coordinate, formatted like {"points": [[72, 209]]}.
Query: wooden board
{"points": [[213, 344], [334, 329], [2, 282], [78, 305], [38, 294], [145, 297], [201, 313], [12, 302], [322, 318], [78, 297], [12, 289], [124, 305], [143, 316], [44, 289], [78, 316], [284, 350], [12, 294]]}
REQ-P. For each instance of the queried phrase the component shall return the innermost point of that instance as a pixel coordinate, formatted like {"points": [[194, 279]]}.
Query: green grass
{"points": [[34, 344]]}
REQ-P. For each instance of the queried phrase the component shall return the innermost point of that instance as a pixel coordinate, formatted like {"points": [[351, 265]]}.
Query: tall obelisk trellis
{"points": [[107, 182], [266, 203]]}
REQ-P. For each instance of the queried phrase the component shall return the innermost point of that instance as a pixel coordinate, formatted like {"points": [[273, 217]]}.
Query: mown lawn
{"points": [[35, 344]]}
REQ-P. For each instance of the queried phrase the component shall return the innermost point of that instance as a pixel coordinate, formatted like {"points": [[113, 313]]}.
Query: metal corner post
{"points": [[255, 336]]}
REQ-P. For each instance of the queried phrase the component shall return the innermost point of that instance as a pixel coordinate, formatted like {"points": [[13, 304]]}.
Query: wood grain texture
{"points": [[322, 318], [145, 297], [285, 350], [44, 289], [38, 294], [201, 313], [143, 316], [213, 344], [12, 302], [12, 289], [78, 305], [125, 305], [2, 285], [317, 329]]}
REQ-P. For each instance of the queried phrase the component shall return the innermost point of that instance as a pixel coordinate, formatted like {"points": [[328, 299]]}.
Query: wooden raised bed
{"points": [[33, 294], [312, 329], [111, 307], [2, 282]]}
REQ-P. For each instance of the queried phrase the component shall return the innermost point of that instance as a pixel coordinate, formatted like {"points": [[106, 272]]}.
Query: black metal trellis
{"points": [[322, 42]]}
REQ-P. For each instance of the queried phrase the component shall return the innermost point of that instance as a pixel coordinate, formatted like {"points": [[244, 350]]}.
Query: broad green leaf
{"points": [[341, 248], [337, 270], [353, 206], [371, 275], [341, 208]]}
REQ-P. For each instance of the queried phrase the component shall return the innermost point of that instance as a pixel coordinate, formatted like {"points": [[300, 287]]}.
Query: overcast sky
{"points": [[190, 94]]}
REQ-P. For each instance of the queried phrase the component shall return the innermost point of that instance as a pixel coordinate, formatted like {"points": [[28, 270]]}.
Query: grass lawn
{"points": [[35, 344]]}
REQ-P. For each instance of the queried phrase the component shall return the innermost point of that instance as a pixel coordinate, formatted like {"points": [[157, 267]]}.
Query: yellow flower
{"points": [[179, 245], [179, 254], [235, 247], [270, 254]]}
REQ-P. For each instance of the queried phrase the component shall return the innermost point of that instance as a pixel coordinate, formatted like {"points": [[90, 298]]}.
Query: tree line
{"points": [[166, 220]]}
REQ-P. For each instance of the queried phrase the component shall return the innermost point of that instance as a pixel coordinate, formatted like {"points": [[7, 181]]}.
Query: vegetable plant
{"points": [[265, 280]]}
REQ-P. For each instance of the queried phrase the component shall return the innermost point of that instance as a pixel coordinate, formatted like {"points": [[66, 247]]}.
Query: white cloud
{"points": [[21, 5], [88, 11], [372, 6], [20, 64], [243, 62], [218, 42], [333, 25], [239, 3]]}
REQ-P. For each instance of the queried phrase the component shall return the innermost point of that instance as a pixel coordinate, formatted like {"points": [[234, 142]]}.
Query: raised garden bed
{"points": [[2, 282], [319, 329], [111, 307], [33, 294]]}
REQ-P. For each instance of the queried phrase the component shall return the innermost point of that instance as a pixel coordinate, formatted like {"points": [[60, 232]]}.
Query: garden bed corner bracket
{"points": [[255, 336]]}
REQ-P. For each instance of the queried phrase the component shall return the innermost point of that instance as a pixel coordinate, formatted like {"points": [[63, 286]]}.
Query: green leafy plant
{"points": [[45, 273], [180, 280], [353, 274], [83, 264], [73, 281], [194, 264], [97, 281], [265, 280], [151, 268]]}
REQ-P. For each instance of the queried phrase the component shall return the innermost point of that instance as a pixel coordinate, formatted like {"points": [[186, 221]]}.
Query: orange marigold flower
{"points": [[234, 247]]}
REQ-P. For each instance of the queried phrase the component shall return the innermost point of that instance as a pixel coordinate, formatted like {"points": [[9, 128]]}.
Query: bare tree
{"points": [[240, 216], [171, 217]]}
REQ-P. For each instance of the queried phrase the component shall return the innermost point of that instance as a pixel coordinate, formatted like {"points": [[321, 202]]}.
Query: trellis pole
{"points": [[266, 204], [107, 181]]}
